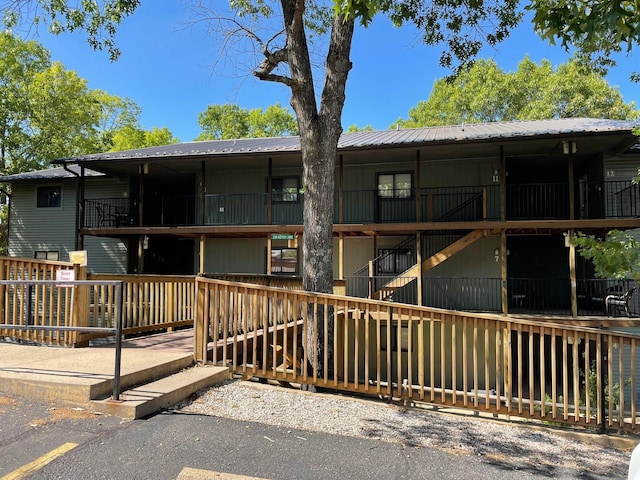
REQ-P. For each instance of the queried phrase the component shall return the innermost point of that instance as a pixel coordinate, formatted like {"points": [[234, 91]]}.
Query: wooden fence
{"points": [[488, 363], [149, 302]]}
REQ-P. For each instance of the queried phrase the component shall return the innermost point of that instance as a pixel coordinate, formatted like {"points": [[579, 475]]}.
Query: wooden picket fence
{"points": [[150, 303], [486, 363]]}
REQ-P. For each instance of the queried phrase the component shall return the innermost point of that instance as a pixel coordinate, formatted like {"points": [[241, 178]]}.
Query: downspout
{"points": [[77, 231]]}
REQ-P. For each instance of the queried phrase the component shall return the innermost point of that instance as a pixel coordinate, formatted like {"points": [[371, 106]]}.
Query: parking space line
{"points": [[38, 463]]}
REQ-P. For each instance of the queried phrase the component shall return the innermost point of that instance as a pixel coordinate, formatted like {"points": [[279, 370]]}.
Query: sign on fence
{"points": [[65, 276]]}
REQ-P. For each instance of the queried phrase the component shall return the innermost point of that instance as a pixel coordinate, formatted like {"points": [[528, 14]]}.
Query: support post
{"points": [[503, 272], [269, 247], [341, 191], [270, 195], [418, 193], [572, 274], [419, 261], [503, 186], [572, 203], [201, 253], [341, 256]]}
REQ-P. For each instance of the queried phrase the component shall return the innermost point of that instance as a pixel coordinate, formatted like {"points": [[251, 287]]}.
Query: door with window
{"points": [[395, 200], [286, 200]]}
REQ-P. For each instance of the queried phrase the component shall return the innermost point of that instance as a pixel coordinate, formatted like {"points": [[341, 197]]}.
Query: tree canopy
{"points": [[596, 29], [219, 122], [485, 93], [49, 112]]}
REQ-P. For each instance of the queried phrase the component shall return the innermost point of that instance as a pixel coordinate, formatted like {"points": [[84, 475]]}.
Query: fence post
{"points": [[81, 307], [200, 340]]}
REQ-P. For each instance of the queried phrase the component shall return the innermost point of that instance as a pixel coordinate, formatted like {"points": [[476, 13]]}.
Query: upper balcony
{"points": [[534, 201]]}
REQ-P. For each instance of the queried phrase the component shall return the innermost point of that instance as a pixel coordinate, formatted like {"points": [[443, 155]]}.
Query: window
{"points": [[47, 255], [394, 185], [284, 189], [394, 261], [284, 260], [49, 196]]}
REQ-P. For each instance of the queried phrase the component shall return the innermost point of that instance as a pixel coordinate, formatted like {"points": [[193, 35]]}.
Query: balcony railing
{"points": [[524, 295], [442, 204]]}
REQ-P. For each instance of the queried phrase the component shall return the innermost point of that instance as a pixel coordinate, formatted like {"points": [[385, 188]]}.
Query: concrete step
{"points": [[151, 397]]}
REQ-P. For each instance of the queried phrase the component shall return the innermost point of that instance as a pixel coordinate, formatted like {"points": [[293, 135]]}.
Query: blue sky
{"points": [[166, 67]]}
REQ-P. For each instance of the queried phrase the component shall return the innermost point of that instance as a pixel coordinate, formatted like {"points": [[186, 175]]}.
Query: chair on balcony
{"points": [[619, 302], [105, 217]]}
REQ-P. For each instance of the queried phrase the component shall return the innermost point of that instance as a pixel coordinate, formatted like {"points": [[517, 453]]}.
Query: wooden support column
{"points": [[341, 256], [80, 222], [503, 186], [270, 197], [141, 173], [140, 254], [201, 250], [572, 203], [419, 261], [269, 246], [503, 272], [572, 273], [340, 191], [418, 198], [203, 193]]}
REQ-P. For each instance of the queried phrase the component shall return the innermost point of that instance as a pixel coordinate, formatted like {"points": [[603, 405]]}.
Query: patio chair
{"points": [[618, 301]]}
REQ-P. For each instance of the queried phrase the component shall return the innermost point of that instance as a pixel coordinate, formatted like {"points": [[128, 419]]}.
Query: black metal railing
{"points": [[465, 294], [31, 309], [107, 213], [538, 201], [437, 204]]}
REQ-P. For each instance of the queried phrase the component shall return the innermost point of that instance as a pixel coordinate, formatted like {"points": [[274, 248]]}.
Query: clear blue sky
{"points": [[166, 68]]}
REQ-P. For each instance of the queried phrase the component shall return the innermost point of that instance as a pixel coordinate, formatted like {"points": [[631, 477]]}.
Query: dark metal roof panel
{"points": [[386, 138], [50, 174]]}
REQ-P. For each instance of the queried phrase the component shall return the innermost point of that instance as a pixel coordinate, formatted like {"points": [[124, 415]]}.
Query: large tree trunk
{"points": [[319, 134]]}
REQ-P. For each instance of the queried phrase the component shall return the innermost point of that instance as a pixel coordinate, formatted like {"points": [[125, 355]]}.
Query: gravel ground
{"points": [[509, 443]]}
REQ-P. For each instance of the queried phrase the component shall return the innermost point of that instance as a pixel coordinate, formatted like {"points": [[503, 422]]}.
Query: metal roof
{"points": [[362, 140], [57, 173]]}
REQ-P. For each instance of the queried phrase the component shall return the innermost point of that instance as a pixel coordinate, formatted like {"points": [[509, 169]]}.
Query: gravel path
{"points": [[510, 444]]}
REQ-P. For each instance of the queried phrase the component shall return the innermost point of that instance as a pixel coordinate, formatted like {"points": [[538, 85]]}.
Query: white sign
{"points": [[65, 276]]}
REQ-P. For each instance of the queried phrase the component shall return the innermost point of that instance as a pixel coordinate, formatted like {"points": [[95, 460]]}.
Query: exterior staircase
{"points": [[433, 261]]}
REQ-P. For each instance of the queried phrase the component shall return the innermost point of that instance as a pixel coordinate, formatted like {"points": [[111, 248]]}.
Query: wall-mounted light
{"points": [[145, 242], [496, 176], [496, 254]]}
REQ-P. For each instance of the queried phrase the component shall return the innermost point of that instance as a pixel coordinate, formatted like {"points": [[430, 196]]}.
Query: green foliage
{"points": [[596, 29], [593, 388], [617, 256], [486, 93], [46, 111], [354, 128], [130, 137], [229, 121], [99, 19], [464, 27]]}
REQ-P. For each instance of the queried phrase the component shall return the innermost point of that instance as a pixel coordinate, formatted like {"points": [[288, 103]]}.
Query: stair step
{"points": [[151, 397]]}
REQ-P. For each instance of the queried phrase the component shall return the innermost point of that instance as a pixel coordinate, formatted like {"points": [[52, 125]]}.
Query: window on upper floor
{"points": [[284, 189], [394, 185], [49, 196]]}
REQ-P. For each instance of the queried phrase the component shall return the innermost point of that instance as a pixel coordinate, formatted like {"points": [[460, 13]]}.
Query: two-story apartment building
{"points": [[470, 217]]}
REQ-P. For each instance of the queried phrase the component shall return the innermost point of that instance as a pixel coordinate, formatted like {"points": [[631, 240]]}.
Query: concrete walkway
{"points": [[79, 376]]}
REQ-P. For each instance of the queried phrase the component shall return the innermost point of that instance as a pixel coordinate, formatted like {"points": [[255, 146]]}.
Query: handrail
{"points": [[577, 375], [117, 331]]}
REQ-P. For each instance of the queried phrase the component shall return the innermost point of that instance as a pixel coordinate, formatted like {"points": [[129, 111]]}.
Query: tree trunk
{"points": [[319, 135]]}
